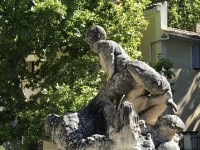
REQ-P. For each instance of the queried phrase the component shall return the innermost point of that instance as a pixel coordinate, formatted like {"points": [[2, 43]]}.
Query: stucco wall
{"points": [[187, 96], [152, 35], [187, 83], [180, 53], [148, 36]]}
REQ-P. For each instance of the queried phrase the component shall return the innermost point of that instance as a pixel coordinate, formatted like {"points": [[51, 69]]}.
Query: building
{"points": [[183, 48]]}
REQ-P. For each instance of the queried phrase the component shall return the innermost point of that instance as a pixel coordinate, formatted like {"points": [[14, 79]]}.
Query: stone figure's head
{"points": [[168, 125], [95, 34]]}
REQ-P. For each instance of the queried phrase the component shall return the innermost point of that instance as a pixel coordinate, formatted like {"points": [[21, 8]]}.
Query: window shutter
{"points": [[196, 56]]}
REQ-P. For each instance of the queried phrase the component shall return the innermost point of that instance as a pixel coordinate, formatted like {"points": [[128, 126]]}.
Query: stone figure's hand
{"points": [[171, 103]]}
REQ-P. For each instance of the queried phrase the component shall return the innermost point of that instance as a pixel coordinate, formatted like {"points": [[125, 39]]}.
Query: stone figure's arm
{"points": [[105, 51], [107, 63]]}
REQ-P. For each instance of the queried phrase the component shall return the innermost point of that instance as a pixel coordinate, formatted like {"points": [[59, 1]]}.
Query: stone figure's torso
{"points": [[111, 55]]}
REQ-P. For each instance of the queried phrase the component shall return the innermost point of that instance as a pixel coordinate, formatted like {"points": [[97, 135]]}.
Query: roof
{"points": [[154, 5], [183, 34]]}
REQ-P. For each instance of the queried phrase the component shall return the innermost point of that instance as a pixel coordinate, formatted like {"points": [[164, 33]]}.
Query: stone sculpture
{"points": [[111, 119]]}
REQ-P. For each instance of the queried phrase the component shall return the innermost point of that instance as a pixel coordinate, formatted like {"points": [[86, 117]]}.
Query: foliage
{"points": [[65, 83], [2, 148], [14, 145], [164, 66], [183, 14], [25, 27]]}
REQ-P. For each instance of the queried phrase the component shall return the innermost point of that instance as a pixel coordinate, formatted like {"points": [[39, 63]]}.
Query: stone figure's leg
{"points": [[152, 82], [138, 98], [150, 108]]}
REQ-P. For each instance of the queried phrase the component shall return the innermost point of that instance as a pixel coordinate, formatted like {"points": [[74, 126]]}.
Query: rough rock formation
{"points": [[77, 131]]}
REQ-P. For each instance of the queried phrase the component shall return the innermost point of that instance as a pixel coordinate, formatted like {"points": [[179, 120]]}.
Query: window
{"points": [[196, 56], [31, 59], [31, 66]]}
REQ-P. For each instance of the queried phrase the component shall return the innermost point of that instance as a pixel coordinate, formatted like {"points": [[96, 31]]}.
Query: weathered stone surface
{"points": [[171, 145], [75, 131], [166, 131], [173, 122], [111, 119]]}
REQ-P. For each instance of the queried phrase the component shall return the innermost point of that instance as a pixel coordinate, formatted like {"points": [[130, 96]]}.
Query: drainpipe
{"points": [[164, 37]]}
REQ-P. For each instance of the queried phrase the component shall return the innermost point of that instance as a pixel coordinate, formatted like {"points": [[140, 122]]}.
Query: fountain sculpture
{"points": [[126, 112]]}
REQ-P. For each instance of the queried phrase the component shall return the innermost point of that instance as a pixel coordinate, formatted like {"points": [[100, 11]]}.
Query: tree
{"points": [[26, 27], [183, 14], [44, 28]]}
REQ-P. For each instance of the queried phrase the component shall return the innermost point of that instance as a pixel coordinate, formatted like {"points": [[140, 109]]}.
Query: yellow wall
{"points": [[151, 41]]}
